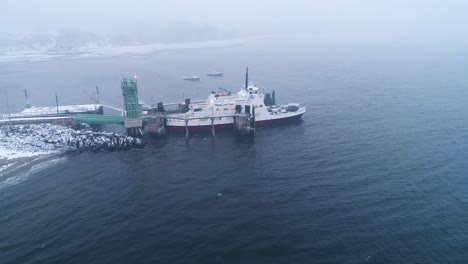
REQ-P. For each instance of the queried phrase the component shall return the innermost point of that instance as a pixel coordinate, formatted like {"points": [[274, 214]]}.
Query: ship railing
{"points": [[198, 117], [198, 102]]}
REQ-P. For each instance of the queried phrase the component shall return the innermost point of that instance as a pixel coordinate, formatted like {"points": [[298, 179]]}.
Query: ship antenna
{"points": [[246, 77]]}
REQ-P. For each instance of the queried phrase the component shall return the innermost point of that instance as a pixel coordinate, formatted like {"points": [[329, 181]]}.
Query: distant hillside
{"points": [[176, 32]]}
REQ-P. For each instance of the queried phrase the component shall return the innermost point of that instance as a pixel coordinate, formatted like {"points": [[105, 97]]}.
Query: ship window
{"points": [[197, 110], [261, 106]]}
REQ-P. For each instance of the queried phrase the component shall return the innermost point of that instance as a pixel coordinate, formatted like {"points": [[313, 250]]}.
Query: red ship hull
{"points": [[225, 126]]}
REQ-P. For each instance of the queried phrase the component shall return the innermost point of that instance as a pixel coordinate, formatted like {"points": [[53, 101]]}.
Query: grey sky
{"points": [[399, 18]]}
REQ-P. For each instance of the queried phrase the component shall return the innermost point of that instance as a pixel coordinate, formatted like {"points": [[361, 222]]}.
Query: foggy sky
{"points": [[353, 18]]}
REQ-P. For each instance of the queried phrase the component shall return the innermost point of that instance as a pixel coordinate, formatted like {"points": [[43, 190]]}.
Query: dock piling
{"points": [[252, 121], [245, 122], [213, 127], [186, 130]]}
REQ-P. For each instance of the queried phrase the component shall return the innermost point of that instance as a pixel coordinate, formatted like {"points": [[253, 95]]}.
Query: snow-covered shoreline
{"points": [[34, 140], [23, 146], [9, 154], [12, 158], [97, 51], [19, 169], [39, 139]]}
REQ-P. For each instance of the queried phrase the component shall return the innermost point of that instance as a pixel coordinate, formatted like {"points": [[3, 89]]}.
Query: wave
{"points": [[23, 176], [5, 167]]}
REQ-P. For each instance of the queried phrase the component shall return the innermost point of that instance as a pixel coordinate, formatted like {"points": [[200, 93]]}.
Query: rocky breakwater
{"points": [[49, 138]]}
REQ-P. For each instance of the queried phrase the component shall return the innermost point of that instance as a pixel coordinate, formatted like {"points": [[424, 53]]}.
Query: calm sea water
{"points": [[375, 173]]}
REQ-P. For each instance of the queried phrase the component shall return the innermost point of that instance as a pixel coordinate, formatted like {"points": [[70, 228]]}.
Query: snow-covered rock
{"points": [[47, 138]]}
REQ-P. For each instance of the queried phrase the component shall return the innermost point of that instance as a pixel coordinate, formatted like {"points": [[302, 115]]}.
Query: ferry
{"points": [[221, 107]]}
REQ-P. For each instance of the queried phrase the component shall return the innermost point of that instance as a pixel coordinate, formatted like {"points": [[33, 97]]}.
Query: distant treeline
{"points": [[173, 32]]}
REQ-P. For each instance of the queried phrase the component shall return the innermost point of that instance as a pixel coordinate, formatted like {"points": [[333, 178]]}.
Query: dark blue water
{"points": [[376, 172]]}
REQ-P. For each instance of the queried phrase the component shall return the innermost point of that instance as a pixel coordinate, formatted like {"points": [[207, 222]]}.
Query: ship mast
{"points": [[246, 78]]}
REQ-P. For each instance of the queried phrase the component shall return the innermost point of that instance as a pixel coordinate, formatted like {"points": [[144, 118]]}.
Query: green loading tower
{"points": [[133, 121], [130, 96]]}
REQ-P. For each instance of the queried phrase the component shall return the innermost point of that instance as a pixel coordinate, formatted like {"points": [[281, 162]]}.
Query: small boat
{"points": [[215, 74], [191, 78]]}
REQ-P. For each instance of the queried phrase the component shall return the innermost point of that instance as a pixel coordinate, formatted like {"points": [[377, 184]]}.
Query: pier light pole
{"points": [[27, 98], [8, 106], [56, 102], [98, 95]]}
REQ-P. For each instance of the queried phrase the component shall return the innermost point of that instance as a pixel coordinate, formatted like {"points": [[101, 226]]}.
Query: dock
{"points": [[135, 120]]}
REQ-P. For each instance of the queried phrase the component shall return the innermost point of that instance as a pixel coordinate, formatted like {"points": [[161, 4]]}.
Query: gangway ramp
{"points": [[115, 108], [91, 119]]}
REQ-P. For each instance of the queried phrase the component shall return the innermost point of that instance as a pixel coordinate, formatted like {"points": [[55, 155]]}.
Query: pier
{"points": [[137, 118]]}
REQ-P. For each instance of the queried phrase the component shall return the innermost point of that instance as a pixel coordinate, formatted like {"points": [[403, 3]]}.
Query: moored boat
{"points": [[191, 78], [219, 109], [215, 74]]}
